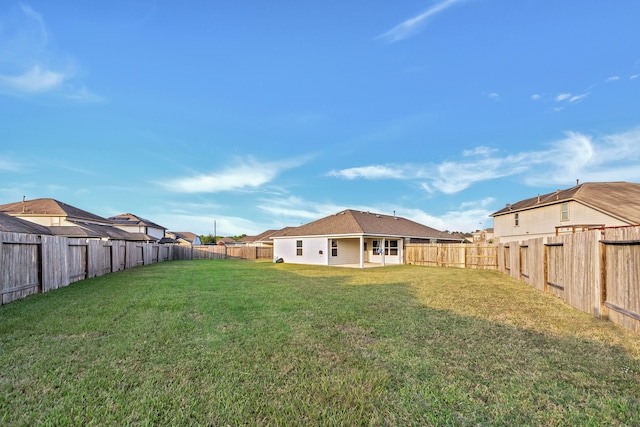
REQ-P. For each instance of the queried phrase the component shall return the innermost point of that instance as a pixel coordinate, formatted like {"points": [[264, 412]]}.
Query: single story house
{"points": [[586, 206], [353, 237]]}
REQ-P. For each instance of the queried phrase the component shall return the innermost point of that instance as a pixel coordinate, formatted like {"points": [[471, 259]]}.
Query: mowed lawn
{"points": [[231, 342]]}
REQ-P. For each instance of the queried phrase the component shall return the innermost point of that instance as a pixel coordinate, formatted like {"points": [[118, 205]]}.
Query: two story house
{"points": [[586, 206]]}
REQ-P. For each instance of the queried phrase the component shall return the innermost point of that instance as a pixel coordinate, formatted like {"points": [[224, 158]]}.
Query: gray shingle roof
{"points": [[49, 207], [618, 199], [12, 224], [365, 223], [131, 219]]}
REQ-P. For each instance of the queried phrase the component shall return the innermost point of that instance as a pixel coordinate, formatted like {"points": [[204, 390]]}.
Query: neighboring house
{"points": [[61, 219], [483, 236], [135, 224], [353, 237], [583, 207], [183, 237], [51, 213], [263, 239], [228, 241]]}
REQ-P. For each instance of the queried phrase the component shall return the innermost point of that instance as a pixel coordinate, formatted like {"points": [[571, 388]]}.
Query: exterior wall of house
{"points": [[315, 250], [53, 220], [542, 221], [158, 233], [348, 252]]}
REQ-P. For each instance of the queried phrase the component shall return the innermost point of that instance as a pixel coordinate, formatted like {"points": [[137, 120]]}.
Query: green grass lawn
{"points": [[226, 342]]}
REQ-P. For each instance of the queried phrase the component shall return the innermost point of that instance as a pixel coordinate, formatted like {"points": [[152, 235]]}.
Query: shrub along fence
{"points": [[31, 264]]}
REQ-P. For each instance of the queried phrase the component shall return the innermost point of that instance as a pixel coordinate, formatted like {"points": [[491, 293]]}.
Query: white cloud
{"points": [[9, 165], [493, 95], [536, 97], [30, 64], [369, 172], [34, 80], [576, 156], [411, 26], [247, 174], [577, 98], [569, 98], [613, 79], [633, 77]]}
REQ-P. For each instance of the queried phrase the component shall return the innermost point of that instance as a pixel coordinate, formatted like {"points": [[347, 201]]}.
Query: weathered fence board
{"points": [[451, 255], [20, 258], [77, 259], [596, 271], [621, 289], [55, 265]]}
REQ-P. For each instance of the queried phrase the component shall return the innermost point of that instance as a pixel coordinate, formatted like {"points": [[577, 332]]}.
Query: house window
{"points": [[391, 247], [299, 247], [334, 247], [564, 212], [517, 216]]}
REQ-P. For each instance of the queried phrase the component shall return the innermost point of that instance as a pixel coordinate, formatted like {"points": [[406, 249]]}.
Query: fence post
{"points": [[546, 269], [602, 295], [2, 267]]}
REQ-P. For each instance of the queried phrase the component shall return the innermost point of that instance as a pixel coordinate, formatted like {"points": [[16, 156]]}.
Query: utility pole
{"points": [[214, 232]]}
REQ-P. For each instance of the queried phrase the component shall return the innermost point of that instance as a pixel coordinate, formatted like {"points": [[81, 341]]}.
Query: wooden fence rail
{"points": [[595, 271], [31, 264], [451, 255]]}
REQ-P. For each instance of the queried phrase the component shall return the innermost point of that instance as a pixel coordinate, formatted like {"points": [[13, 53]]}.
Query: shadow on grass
{"points": [[238, 342]]}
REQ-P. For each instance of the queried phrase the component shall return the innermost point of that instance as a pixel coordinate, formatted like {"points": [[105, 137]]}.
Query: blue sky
{"points": [[260, 115]]}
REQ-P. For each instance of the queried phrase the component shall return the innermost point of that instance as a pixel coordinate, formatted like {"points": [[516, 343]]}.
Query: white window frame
{"points": [[564, 212]]}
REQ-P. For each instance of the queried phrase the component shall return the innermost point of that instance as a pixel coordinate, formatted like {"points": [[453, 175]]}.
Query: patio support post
{"points": [[383, 248], [361, 251]]}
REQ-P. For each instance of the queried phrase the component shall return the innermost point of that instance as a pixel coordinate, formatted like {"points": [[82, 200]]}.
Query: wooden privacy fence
{"points": [[222, 252], [596, 271], [32, 263], [452, 255]]}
